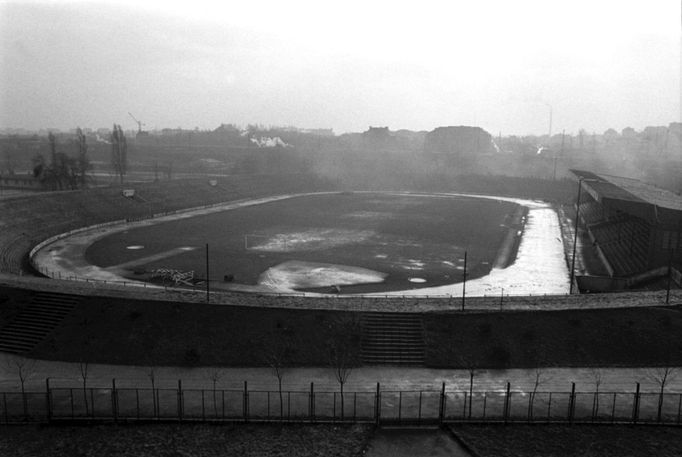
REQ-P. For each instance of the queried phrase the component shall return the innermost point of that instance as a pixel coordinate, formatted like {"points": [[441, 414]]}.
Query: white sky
{"points": [[344, 65]]}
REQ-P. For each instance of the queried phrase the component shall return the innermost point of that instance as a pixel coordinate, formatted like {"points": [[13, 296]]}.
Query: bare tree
{"points": [[343, 349], [470, 364], [24, 369], [83, 163], [150, 371], [662, 376], [216, 374], [277, 353], [597, 378], [119, 152], [83, 367], [52, 140], [539, 377]]}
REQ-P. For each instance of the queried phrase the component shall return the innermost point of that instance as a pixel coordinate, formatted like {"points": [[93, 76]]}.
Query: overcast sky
{"points": [[344, 65]]}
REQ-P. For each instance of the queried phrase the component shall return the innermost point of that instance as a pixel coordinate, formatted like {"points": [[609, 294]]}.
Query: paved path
{"points": [[66, 374]]}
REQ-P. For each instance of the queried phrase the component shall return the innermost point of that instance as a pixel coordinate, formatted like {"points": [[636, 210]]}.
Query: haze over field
{"points": [[344, 65]]}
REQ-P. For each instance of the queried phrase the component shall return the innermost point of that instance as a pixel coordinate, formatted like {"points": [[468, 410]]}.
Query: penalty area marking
{"points": [[152, 258]]}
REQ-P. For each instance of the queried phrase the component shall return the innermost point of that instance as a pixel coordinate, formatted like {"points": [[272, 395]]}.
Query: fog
{"points": [[506, 67], [387, 95]]}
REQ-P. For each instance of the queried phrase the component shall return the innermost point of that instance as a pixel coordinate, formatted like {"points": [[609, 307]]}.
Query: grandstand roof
{"points": [[633, 196]]}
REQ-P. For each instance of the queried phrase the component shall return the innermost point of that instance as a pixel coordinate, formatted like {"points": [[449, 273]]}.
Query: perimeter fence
{"points": [[377, 406]]}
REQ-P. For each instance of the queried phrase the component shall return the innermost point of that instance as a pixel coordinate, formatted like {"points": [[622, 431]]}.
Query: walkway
{"points": [[66, 374]]}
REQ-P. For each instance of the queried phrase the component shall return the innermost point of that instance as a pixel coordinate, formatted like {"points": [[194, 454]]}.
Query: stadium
{"points": [[338, 249]]}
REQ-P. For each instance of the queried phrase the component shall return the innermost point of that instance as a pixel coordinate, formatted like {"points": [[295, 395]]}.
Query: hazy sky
{"points": [[344, 65]]}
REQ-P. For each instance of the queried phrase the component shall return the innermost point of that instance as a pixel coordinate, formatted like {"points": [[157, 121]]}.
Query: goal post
{"points": [[273, 242], [252, 240]]}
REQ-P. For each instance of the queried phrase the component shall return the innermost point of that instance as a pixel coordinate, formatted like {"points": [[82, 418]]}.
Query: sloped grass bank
{"points": [[144, 332]]}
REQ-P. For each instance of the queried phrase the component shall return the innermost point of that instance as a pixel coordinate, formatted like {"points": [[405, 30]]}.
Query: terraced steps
{"points": [[36, 321], [392, 338]]}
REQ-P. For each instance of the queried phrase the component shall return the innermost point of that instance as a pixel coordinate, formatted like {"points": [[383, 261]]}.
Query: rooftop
{"points": [[621, 188]]}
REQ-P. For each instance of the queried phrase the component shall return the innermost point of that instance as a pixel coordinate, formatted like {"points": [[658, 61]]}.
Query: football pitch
{"points": [[360, 242]]}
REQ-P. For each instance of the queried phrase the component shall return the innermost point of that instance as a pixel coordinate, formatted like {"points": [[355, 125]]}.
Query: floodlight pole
{"points": [[464, 282], [575, 235], [207, 276], [563, 135], [670, 274]]}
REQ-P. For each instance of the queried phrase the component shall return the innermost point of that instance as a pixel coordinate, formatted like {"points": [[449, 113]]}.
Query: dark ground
{"points": [[186, 440], [570, 441], [407, 228], [329, 440]]}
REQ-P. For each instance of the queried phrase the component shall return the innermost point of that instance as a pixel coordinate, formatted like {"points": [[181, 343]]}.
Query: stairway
{"points": [[392, 338], [43, 314]]}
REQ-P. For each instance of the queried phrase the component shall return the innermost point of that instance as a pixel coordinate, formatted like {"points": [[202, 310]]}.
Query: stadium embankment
{"points": [[166, 328]]}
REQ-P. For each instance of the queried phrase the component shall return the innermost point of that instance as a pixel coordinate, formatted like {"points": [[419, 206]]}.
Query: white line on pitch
{"points": [[151, 258]]}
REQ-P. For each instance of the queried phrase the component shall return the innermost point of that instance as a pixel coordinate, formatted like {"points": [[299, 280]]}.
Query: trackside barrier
{"points": [[113, 403]]}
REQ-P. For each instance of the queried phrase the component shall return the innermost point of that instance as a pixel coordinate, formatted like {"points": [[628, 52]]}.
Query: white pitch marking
{"points": [[152, 258]]}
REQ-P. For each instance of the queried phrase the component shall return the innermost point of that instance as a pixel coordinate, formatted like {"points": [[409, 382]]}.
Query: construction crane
{"points": [[139, 124]]}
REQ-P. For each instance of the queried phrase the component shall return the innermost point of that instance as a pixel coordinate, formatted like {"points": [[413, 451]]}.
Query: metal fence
{"points": [[413, 407]]}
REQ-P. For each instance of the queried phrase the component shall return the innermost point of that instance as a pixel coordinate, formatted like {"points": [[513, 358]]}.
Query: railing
{"points": [[413, 407]]}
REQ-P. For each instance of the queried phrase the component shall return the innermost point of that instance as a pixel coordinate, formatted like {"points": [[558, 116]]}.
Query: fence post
{"points": [[114, 407], [635, 406], [377, 406], [180, 400], [506, 403], [245, 410], [571, 404], [441, 405], [48, 400]]}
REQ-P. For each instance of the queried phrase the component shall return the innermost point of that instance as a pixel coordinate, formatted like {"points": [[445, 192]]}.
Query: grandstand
{"points": [[635, 228]]}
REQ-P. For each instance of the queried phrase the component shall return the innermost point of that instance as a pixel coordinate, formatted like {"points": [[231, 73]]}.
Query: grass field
{"points": [[570, 441], [401, 236], [187, 440]]}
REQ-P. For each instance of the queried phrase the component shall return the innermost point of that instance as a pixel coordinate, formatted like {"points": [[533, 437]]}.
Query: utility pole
{"points": [[207, 277]]}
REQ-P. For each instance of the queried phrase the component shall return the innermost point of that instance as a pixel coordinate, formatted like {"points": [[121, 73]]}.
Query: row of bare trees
{"points": [[342, 352], [63, 172]]}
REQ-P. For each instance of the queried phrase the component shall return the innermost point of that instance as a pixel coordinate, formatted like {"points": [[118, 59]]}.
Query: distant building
{"points": [[460, 141]]}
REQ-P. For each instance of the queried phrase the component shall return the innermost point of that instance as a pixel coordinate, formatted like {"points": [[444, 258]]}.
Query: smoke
{"points": [[267, 142], [101, 140]]}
